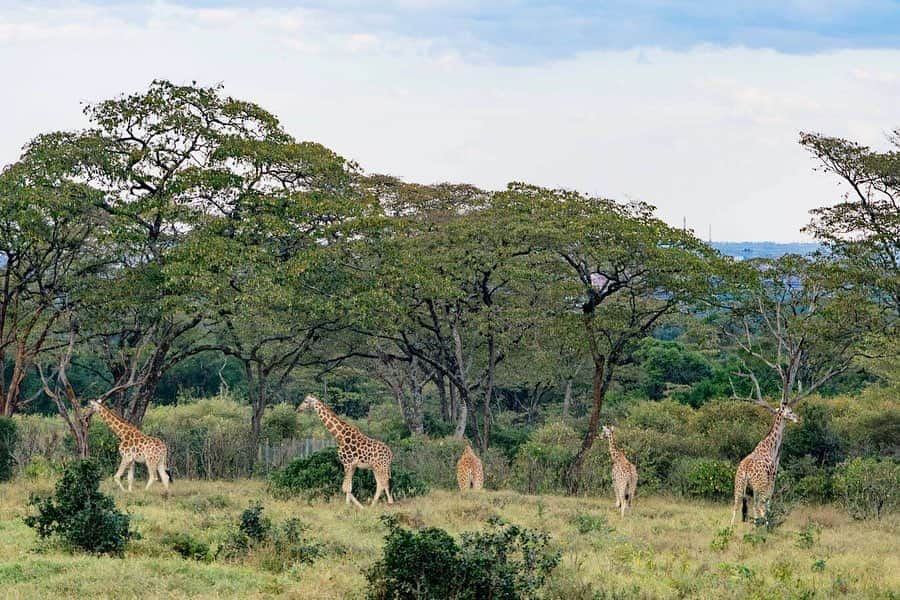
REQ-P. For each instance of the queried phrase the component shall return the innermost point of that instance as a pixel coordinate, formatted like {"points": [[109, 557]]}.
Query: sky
{"points": [[694, 107]]}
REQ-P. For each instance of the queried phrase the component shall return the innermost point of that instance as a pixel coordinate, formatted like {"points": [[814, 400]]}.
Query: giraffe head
{"points": [[786, 412], [310, 402], [92, 407], [607, 431]]}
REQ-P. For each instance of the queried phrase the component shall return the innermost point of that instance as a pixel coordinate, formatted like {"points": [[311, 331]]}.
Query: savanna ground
{"points": [[667, 548]]}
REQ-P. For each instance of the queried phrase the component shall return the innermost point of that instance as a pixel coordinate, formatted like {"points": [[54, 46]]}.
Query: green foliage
{"points": [[666, 362], [253, 524], [813, 437], [280, 423], [187, 546], [275, 547], [81, 516], [321, 474], [704, 478], [542, 461], [587, 522], [434, 461], [505, 561], [8, 438], [808, 536], [867, 487], [721, 539]]}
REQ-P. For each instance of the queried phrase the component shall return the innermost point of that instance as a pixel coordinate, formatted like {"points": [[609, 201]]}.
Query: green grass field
{"points": [[663, 550]]}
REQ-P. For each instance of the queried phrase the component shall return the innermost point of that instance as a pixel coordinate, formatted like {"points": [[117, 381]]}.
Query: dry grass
{"points": [[663, 550]]}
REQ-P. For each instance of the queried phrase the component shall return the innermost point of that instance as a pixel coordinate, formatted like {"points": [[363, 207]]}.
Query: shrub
{"points": [[187, 546], [541, 463], [40, 436], [79, 514], [867, 487], [8, 437], [730, 429], [274, 547], [813, 437], [704, 478], [280, 423], [505, 561], [808, 481], [321, 474]]}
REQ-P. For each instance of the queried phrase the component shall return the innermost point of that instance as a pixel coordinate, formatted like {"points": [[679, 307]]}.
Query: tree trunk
{"points": [[488, 392], [442, 395], [462, 418], [602, 376]]}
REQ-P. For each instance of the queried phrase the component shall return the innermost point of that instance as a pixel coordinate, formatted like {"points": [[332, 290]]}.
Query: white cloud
{"points": [[708, 134]]}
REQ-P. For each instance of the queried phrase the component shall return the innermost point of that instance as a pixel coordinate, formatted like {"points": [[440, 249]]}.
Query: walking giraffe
{"points": [[624, 475], [134, 446], [355, 449], [469, 472], [759, 467]]}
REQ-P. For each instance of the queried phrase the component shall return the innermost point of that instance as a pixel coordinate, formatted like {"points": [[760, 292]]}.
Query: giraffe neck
{"points": [[335, 426], [613, 451], [117, 424], [772, 441]]}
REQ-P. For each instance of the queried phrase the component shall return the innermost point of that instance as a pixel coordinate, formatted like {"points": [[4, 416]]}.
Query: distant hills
{"points": [[745, 250]]}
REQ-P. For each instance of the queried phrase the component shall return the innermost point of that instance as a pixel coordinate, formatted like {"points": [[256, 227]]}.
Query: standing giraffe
{"points": [[469, 472], [624, 475], [355, 449], [134, 446], [758, 468]]}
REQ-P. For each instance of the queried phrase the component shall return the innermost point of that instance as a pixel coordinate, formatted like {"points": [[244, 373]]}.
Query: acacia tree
{"points": [[455, 292], [617, 270], [863, 231], [48, 252], [801, 321]]}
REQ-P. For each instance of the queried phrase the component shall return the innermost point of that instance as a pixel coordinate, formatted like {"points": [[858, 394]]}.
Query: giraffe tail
{"points": [[744, 508], [169, 473]]}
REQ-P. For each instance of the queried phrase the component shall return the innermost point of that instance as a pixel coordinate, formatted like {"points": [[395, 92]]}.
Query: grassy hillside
{"points": [[663, 550]]}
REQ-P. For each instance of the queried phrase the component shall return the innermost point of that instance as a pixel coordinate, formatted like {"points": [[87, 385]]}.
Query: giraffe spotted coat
{"points": [[757, 470], [624, 475], [469, 472], [134, 446], [355, 450]]}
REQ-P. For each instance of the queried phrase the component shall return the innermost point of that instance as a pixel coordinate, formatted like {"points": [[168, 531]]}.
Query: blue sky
{"points": [[692, 106]]}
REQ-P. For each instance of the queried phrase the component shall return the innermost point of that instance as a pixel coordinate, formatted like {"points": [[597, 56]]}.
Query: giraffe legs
{"points": [[347, 486], [740, 488], [130, 475], [151, 474], [163, 476], [382, 484], [118, 476]]}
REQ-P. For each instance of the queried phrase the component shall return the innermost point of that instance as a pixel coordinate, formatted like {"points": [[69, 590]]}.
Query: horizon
{"points": [[695, 109]]}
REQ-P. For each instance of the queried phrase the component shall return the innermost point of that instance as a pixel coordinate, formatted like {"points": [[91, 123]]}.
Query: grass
{"points": [[668, 548]]}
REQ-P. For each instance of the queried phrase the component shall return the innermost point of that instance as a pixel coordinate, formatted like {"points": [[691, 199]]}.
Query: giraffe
{"points": [[355, 449], [624, 475], [758, 468], [134, 446], [469, 472]]}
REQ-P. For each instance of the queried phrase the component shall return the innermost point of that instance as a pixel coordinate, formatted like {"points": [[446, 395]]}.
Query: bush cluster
{"points": [[868, 487], [275, 547], [79, 515], [704, 478], [321, 474], [504, 561]]}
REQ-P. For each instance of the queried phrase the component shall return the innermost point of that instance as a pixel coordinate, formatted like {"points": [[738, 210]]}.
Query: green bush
{"points": [[867, 487], [703, 478], [187, 546], [813, 437], [279, 423], [321, 474], [730, 429], [542, 461], [79, 514], [274, 547], [807, 481], [504, 562], [8, 437]]}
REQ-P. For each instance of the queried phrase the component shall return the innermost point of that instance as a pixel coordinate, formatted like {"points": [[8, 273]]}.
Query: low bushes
{"points": [[434, 461], [505, 561], [8, 437], [274, 547], [79, 515], [321, 474], [703, 478], [867, 487]]}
